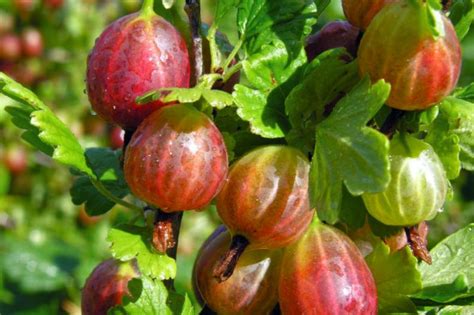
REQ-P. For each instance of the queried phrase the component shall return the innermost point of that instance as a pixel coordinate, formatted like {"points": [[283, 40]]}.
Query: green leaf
{"points": [[262, 22], [246, 141], [456, 310], [43, 128], [273, 74], [381, 230], [321, 5], [451, 276], [396, 276], [266, 119], [238, 138], [36, 267], [463, 26], [353, 212], [230, 144], [465, 93], [183, 95], [349, 152], [452, 135], [227, 120], [215, 98], [461, 14], [106, 167], [223, 7], [130, 242], [270, 68], [418, 121], [328, 79], [150, 297]]}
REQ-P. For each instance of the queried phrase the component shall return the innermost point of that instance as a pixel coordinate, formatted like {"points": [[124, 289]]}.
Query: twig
{"points": [[165, 235], [193, 10], [109, 195]]}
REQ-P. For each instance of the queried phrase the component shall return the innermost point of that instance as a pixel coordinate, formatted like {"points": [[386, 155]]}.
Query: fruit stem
{"points": [[193, 10], [147, 8], [213, 50], [233, 70], [224, 268], [233, 53], [107, 194]]}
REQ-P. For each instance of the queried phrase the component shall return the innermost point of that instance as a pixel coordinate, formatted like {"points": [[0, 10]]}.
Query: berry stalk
{"points": [[226, 265], [147, 7]]}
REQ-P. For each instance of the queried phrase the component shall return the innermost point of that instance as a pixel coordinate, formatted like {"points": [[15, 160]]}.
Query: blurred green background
{"points": [[48, 246]]}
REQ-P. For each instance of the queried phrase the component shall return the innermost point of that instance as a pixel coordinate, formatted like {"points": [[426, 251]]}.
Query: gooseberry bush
{"points": [[323, 153]]}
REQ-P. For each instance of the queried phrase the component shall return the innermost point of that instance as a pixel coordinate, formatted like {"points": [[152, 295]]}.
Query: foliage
{"points": [[321, 107]]}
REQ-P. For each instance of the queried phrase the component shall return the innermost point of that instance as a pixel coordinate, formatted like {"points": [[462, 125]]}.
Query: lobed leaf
{"points": [[273, 75], [326, 79], [321, 5], [461, 14], [215, 98], [465, 93], [128, 242], [452, 135], [105, 164], [349, 152], [451, 276], [262, 22], [223, 7], [150, 297], [396, 276], [43, 128], [353, 212], [457, 310], [266, 119]]}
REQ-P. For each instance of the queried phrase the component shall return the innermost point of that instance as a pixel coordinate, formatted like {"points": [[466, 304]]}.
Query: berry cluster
{"points": [[272, 250], [20, 44]]}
